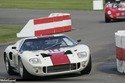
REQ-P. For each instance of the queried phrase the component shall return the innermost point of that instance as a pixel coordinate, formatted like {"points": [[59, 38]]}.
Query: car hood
{"points": [[58, 56]]}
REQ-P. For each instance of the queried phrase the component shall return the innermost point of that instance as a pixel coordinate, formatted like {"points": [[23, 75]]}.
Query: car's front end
{"points": [[67, 60], [114, 12]]}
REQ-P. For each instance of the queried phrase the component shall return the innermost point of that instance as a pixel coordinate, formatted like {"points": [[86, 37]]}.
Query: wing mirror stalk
{"points": [[79, 40]]}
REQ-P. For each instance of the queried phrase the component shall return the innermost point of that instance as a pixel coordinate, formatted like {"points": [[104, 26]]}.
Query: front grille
{"points": [[60, 68], [121, 17]]}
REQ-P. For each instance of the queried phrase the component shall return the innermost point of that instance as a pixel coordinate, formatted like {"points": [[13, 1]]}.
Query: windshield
{"points": [[118, 5], [46, 43]]}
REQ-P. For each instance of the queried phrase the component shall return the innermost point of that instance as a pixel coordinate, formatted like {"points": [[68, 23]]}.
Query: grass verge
{"points": [[47, 4], [8, 33]]}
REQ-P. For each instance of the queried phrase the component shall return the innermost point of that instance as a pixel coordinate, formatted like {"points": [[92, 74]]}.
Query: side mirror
{"points": [[79, 40], [13, 47]]}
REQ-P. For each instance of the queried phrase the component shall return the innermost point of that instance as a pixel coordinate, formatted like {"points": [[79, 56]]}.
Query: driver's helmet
{"points": [[117, 1]]}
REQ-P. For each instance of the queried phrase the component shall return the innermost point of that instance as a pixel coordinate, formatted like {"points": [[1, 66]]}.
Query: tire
{"points": [[22, 71], [8, 67], [107, 20], [88, 68]]}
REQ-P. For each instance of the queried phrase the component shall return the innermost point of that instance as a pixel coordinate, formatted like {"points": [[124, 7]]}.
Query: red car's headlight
{"points": [[109, 12]]}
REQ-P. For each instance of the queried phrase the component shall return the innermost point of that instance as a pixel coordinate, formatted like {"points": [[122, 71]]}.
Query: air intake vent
{"points": [[45, 55], [68, 52]]}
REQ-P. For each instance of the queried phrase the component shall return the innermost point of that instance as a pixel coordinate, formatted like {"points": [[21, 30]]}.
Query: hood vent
{"points": [[45, 55], [68, 52]]}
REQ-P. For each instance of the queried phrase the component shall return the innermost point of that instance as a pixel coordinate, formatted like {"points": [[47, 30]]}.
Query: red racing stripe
{"points": [[51, 19], [53, 30], [120, 53], [59, 59]]}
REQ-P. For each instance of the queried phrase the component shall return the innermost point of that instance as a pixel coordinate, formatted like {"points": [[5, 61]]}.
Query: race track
{"points": [[88, 26]]}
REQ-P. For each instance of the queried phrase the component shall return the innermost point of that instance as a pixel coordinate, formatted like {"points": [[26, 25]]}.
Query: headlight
{"points": [[109, 12], [82, 54], [34, 60]]}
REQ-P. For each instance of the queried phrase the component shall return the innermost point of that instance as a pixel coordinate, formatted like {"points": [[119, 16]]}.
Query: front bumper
{"points": [[54, 70], [115, 17], [120, 17]]}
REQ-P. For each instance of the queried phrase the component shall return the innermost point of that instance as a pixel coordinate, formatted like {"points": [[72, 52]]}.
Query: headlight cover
{"points": [[34, 61], [109, 12], [82, 54]]}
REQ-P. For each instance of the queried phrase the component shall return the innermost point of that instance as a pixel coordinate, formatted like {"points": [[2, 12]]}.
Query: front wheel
{"points": [[22, 71], [107, 20], [88, 68]]}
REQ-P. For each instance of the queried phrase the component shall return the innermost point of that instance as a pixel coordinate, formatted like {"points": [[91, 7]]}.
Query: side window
{"points": [[18, 44]]}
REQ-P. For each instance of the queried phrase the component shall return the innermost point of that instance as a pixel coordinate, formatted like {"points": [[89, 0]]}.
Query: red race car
{"points": [[114, 11]]}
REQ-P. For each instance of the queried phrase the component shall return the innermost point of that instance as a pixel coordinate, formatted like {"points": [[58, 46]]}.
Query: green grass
{"points": [[8, 33], [47, 4]]}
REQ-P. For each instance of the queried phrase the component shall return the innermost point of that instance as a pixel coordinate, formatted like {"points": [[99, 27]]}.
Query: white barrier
{"points": [[97, 4], [120, 50]]}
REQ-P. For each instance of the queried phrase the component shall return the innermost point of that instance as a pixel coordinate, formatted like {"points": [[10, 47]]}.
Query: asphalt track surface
{"points": [[88, 26]]}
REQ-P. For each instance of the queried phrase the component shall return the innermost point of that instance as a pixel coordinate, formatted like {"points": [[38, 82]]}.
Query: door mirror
{"points": [[13, 47], [79, 40]]}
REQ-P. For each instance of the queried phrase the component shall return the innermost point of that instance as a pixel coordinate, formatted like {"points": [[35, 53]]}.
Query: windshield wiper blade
{"points": [[52, 46]]}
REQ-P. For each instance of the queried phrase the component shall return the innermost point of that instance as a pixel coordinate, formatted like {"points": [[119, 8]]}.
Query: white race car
{"points": [[57, 54], [47, 54]]}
